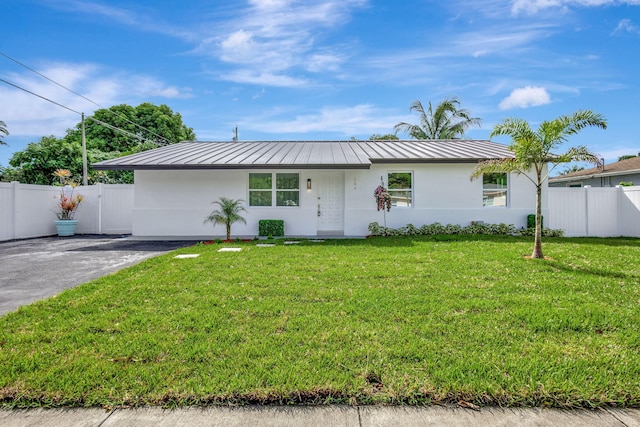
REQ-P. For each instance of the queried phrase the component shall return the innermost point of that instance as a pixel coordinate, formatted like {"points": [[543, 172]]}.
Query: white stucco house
{"points": [[321, 187]]}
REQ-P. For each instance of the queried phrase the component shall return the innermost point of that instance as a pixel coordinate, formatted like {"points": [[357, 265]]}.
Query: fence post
{"points": [[619, 196], [14, 211], [100, 208], [586, 209]]}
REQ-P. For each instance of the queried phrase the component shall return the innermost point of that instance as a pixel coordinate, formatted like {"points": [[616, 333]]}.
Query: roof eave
{"points": [[229, 167]]}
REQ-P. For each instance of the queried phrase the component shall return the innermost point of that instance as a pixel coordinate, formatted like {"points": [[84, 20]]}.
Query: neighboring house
{"points": [[321, 187], [608, 176]]}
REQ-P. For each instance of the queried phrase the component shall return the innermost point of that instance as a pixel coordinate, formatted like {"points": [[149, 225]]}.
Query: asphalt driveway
{"points": [[35, 269]]}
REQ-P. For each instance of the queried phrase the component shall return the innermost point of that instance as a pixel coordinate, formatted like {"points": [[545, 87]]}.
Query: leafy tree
{"points": [[385, 137], [447, 121], [146, 123], [534, 149], [227, 214], [37, 163], [625, 157], [3, 130]]}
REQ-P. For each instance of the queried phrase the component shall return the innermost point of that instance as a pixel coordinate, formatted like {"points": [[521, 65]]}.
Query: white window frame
{"points": [[506, 190], [410, 190], [273, 190]]}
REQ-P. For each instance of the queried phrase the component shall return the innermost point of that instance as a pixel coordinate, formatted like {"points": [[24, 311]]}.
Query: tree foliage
{"points": [[37, 163], [446, 121], [534, 149], [385, 137], [145, 127]]}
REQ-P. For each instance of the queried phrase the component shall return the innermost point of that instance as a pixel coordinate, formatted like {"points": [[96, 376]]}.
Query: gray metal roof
{"points": [[307, 154]]}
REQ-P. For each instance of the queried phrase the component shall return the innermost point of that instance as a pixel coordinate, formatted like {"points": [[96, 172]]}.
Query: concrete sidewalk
{"points": [[360, 416]]}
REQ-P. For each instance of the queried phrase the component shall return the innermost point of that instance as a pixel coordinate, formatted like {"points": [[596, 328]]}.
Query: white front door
{"points": [[330, 199]]}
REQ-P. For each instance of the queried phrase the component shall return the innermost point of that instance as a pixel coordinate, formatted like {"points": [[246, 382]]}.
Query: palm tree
{"points": [[3, 130], [447, 121], [534, 149], [228, 213]]}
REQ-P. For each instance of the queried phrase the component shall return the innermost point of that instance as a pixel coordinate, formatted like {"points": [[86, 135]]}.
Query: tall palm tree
{"points": [[3, 130], [533, 150], [227, 214], [447, 121]]}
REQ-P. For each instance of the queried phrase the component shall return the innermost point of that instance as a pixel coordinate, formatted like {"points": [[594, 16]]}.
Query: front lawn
{"points": [[384, 320]]}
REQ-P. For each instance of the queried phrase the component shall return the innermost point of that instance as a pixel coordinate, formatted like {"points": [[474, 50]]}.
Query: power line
{"points": [[83, 97], [114, 128], [40, 96]]}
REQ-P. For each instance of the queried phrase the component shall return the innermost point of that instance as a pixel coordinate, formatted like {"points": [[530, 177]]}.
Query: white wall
{"points": [[30, 210], [444, 193], [175, 203]]}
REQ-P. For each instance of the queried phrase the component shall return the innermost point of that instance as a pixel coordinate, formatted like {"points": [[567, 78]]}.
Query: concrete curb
{"points": [[356, 416]]}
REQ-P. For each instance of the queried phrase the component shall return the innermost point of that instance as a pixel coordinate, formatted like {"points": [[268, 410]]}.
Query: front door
{"points": [[330, 194]]}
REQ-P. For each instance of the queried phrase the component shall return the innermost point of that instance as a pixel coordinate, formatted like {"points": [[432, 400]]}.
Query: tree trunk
{"points": [[537, 243], [228, 231]]}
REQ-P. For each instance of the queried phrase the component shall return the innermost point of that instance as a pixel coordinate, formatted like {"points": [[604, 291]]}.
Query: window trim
{"points": [[411, 189]]}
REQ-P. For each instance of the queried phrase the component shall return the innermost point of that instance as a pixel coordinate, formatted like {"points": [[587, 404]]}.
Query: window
{"points": [[494, 189], [260, 191], [285, 187], [401, 188]]}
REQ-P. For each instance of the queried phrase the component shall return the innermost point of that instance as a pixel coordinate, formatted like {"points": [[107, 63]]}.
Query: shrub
{"points": [[271, 227], [531, 221], [452, 229]]}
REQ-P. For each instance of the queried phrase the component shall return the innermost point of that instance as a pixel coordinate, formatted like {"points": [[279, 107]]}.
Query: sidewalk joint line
{"points": [[108, 416], [615, 417]]}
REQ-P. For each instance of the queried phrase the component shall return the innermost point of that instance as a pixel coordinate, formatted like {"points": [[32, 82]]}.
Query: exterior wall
{"points": [[175, 203], [603, 181], [443, 193]]}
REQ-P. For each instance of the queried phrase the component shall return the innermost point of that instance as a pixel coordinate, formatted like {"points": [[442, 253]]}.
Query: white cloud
{"points": [[265, 78], [363, 120], [278, 37], [33, 116], [534, 6], [625, 25], [528, 96]]}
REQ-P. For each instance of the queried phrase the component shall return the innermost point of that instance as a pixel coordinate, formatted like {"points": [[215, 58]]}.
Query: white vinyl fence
{"points": [[601, 212], [30, 210]]}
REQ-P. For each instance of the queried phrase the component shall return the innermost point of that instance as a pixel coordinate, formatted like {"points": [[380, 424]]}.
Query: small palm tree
{"points": [[228, 213], [3, 130], [447, 121], [534, 149]]}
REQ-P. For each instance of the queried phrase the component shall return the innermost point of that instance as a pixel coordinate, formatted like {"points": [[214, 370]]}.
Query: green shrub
{"points": [[436, 228], [546, 232], [531, 221], [271, 227]]}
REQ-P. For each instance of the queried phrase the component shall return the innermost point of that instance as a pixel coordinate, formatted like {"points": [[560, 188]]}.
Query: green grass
{"points": [[382, 320]]}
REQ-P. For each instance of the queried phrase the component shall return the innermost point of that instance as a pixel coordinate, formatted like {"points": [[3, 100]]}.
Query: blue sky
{"points": [[323, 69]]}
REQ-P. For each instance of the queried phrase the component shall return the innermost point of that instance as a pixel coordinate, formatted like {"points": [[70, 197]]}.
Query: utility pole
{"points": [[235, 131], [84, 156]]}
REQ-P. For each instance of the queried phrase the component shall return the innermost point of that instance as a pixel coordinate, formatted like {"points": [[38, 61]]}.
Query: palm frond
{"points": [[496, 166]]}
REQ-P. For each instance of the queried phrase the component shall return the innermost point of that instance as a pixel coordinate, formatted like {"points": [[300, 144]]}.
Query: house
{"points": [[608, 176], [321, 187]]}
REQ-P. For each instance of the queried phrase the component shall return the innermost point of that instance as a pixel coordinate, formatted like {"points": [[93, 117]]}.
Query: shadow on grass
{"points": [[590, 271]]}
